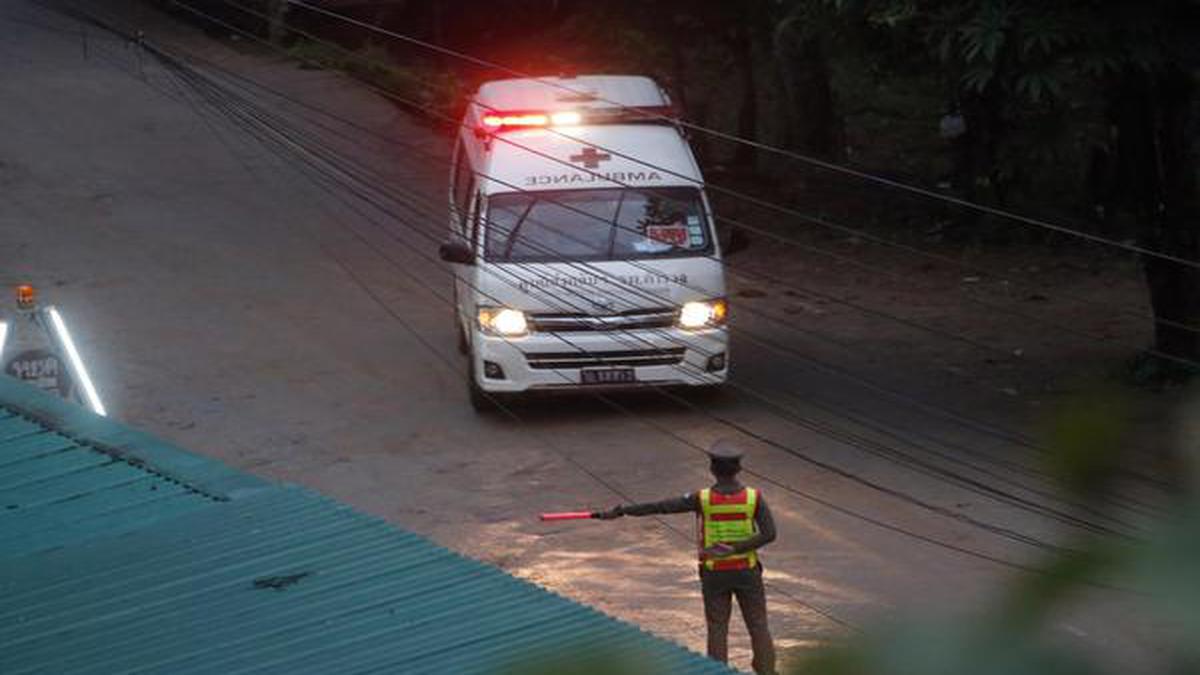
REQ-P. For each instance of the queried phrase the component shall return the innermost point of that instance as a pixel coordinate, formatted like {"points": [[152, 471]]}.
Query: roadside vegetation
{"points": [[1021, 630], [1082, 114]]}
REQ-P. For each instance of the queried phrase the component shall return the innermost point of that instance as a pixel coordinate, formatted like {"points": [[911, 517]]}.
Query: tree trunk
{"points": [[276, 21], [820, 130], [1170, 217], [975, 163], [985, 129], [743, 48], [679, 79]]}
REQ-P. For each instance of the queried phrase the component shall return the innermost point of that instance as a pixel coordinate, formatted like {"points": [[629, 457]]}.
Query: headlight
{"points": [[703, 314], [503, 321]]}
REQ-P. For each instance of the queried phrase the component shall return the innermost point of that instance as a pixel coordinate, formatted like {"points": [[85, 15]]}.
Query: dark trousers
{"points": [[719, 589]]}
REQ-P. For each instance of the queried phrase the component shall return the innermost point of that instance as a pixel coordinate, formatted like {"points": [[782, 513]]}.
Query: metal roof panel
{"points": [[122, 554]]}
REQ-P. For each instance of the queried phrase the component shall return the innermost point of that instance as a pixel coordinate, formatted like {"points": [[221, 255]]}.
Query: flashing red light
{"points": [[535, 119], [526, 120]]}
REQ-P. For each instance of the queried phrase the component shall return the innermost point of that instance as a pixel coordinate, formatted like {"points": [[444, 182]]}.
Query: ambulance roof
{"points": [[574, 93], [589, 156]]}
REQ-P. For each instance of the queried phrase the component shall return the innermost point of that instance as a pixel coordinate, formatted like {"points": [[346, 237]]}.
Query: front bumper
{"points": [[546, 361]]}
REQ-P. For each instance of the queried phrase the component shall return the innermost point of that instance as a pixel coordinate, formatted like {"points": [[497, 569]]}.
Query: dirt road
{"points": [[239, 292]]}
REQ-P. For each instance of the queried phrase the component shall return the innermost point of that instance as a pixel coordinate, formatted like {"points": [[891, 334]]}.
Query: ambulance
{"points": [[583, 246]]}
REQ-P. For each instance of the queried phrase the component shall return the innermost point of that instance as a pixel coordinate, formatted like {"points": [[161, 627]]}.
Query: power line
{"points": [[675, 120], [1026, 443], [884, 314], [772, 481], [608, 485], [401, 268], [1001, 531], [417, 106], [829, 166], [611, 487], [566, 456], [385, 92]]}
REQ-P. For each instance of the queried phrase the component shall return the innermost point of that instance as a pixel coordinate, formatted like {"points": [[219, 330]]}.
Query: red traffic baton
{"points": [[569, 515]]}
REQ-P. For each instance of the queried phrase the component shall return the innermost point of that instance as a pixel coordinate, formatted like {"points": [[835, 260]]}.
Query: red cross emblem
{"points": [[590, 158]]}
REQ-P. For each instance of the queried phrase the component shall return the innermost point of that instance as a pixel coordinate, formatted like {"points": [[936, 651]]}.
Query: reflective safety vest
{"points": [[726, 519]]}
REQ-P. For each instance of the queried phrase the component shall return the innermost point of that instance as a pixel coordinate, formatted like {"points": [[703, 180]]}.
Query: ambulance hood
{"points": [[600, 288], [599, 156]]}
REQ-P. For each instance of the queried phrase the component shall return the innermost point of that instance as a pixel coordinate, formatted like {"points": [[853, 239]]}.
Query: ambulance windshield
{"points": [[605, 224]]}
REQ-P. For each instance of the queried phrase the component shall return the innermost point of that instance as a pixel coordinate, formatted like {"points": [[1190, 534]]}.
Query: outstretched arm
{"points": [[686, 504]]}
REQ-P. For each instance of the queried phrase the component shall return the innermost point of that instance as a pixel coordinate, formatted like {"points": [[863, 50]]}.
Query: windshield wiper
{"points": [[516, 229], [616, 223]]}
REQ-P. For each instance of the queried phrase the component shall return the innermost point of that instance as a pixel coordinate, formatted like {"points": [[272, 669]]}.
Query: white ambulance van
{"points": [[583, 247]]}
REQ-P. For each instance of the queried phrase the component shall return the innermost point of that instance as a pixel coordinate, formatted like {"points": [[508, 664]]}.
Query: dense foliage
{"points": [[1081, 112]]}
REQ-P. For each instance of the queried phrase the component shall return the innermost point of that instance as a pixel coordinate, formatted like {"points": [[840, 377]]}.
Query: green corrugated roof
{"points": [[120, 553]]}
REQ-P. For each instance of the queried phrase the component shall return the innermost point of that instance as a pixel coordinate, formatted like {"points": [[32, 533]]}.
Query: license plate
{"points": [[607, 376]]}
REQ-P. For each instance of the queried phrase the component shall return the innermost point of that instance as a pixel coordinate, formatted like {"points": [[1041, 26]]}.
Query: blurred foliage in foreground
{"points": [[1158, 572], [1155, 571]]}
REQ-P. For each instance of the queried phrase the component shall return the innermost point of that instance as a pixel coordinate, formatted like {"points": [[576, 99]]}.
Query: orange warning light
{"points": [[25, 296]]}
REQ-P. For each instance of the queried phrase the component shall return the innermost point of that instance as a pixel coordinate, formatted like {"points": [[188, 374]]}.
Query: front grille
{"points": [[644, 357], [576, 323]]}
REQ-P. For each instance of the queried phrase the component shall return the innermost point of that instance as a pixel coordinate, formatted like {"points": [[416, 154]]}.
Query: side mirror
{"points": [[455, 251]]}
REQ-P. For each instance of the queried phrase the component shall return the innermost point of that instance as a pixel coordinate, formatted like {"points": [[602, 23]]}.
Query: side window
{"points": [[465, 203], [463, 184], [478, 219]]}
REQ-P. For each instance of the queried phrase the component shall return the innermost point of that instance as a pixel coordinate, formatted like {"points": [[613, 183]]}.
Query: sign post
{"points": [[36, 347]]}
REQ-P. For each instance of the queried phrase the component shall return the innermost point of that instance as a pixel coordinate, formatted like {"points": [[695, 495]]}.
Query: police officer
{"points": [[734, 523]]}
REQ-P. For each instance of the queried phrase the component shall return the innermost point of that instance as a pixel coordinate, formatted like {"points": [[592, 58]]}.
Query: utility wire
{"points": [[940, 510], [421, 108], [767, 479], [516, 279], [401, 268], [570, 459], [1089, 508], [238, 79], [829, 166], [790, 489], [647, 114], [883, 315], [920, 467], [775, 482], [608, 485], [486, 177]]}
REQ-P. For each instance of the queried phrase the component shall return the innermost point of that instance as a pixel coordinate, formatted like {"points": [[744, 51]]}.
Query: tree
{"points": [[1150, 79], [1007, 635], [801, 44], [1015, 61]]}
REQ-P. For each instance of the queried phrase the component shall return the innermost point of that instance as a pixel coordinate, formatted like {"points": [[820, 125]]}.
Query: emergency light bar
{"points": [[502, 120], [528, 119]]}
